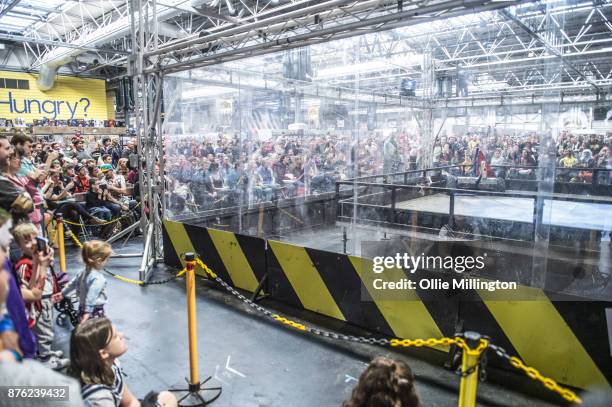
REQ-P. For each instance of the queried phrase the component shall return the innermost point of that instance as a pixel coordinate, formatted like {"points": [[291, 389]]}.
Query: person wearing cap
{"points": [[68, 175], [81, 179]]}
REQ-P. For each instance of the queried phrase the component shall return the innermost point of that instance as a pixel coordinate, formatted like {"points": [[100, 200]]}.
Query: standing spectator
{"points": [[30, 175], [28, 373], [131, 154], [15, 305], [90, 284], [36, 281]]}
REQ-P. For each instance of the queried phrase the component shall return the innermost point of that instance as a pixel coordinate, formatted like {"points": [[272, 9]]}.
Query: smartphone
{"points": [[41, 244]]}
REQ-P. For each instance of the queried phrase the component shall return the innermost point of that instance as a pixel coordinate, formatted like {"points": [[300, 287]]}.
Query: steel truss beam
{"points": [[147, 123], [329, 21], [549, 47], [40, 41], [8, 7]]}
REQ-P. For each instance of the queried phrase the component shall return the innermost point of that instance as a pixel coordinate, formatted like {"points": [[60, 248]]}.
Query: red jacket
{"points": [[24, 270]]}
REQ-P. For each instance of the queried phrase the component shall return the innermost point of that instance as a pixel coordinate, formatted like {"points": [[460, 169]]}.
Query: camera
{"points": [[103, 187], [41, 244]]}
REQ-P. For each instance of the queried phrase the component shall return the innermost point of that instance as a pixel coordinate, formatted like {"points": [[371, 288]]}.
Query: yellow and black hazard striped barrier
{"points": [[472, 344], [542, 331]]}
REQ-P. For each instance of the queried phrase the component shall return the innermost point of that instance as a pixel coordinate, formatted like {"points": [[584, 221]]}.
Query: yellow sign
{"points": [[70, 98]]}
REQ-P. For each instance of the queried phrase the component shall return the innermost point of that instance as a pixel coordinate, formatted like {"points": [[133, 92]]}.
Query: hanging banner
{"points": [[70, 98]]}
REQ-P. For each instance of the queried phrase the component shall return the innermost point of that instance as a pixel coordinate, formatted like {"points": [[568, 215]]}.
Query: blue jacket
{"points": [[91, 289]]}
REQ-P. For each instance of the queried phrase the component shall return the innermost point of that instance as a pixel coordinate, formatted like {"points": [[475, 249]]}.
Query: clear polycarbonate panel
{"points": [[411, 138]]}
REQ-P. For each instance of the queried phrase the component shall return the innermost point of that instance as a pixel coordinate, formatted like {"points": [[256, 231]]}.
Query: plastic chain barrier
{"points": [[103, 223], [534, 374], [126, 279], [144, 283], [396, 342], [75, 239]]}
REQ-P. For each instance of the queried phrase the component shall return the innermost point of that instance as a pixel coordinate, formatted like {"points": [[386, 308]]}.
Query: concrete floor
{"points": [[257, 363]]}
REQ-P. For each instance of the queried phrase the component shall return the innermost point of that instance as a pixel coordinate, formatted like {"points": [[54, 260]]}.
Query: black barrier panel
{"points": [[254, 249], [587, 319], [171, 257], [278, 286], [346, 287]]}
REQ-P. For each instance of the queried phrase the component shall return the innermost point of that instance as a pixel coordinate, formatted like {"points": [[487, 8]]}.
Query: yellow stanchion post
{"points": [[191, 319], [193, 396], [469, 369], [59, 220]]}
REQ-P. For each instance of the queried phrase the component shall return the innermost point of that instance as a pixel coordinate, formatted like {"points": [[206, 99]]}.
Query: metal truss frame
{"points": [[324, 22], [147, 123]]}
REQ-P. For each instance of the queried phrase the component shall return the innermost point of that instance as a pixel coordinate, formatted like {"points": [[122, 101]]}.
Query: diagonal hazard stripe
{"points": [[305, 279], [543, 339], [404, 311], [233, 258], [179, 238], [171, 257]]}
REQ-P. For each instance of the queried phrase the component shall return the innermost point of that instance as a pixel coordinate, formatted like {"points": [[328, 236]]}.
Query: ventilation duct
{"points": [[115, 30]]}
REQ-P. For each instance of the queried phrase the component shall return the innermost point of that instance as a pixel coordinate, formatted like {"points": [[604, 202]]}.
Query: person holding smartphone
{"points": [[37, 284]]}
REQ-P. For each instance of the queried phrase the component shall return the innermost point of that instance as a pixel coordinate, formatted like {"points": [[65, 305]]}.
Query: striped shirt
{"points": [[101, 395]]}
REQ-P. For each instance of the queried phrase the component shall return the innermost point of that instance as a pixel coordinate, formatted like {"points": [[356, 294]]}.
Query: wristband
{"points": [[6, 325], [17, 355]]}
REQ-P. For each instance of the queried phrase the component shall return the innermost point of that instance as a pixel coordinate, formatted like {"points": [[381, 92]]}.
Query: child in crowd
{"points": [[95, 346], [90, 284], [37, 285], [385, 383]]}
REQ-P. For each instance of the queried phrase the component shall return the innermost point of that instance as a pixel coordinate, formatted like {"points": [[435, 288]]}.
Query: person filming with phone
{"points": [[37, 283]]}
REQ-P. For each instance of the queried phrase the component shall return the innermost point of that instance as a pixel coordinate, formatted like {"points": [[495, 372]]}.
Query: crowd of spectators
{"points": [[86, 186], [216, 171], [518, 157]]}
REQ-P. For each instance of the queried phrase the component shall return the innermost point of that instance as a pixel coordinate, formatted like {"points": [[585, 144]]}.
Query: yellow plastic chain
{"points": [[205, 268], [549, 383], [482, 345], [288, 322], [422, 342], [103, 223], [74, 238]]}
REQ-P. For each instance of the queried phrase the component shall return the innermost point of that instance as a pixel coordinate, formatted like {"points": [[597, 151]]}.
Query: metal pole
{"points": [[469, 370], [451, 210], [60, 242], [191, 320]]}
